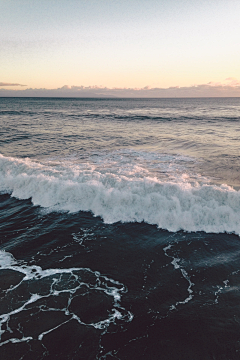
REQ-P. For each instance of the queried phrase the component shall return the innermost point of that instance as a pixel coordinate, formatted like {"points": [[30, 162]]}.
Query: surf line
{"points": [[175, 263]]}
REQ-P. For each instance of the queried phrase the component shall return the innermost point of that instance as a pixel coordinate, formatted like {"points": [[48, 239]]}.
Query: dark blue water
{"points": [[119, 223]]}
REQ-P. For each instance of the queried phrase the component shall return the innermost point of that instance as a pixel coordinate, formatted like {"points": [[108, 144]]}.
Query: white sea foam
{"points": [[122, 189], [71, 282], [175, 262]]}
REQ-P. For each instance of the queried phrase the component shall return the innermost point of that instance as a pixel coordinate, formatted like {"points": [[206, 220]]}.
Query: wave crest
{"points": [[115, 196]]}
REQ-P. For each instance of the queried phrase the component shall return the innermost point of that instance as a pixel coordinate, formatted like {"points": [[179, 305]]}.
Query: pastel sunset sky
{"points": [[119, 43]]}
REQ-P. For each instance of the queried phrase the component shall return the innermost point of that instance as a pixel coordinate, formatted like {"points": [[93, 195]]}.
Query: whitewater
{"points": [[120, 194]]}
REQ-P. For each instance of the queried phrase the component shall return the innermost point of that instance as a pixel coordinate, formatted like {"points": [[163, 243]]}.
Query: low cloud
{"points": [[10, 84], [230, 87]]}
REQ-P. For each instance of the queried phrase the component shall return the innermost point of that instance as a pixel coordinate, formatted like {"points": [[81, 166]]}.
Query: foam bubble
{"points": [[6, 259]]}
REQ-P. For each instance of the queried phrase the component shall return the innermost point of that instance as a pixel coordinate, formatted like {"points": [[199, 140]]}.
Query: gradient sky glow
{"points": [[118, 43]]}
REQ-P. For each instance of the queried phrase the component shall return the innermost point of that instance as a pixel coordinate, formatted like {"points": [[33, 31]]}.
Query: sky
{"points": [[111, 44]]}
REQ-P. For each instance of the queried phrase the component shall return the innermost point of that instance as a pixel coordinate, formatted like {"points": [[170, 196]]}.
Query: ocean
{"points": [[119, 229]]}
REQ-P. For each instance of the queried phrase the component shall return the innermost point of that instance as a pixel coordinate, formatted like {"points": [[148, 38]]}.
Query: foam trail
{"points": [[122, 194], [175, 263], [52, 283]]}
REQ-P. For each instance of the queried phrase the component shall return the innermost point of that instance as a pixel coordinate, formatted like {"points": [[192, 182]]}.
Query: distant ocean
{"points": [[119, 229]]}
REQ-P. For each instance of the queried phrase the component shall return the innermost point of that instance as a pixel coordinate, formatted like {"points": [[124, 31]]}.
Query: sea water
{"points": [[119, 229]]}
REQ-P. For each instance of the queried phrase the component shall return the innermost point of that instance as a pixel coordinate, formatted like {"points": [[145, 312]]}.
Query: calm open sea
{"points": [[119, 229]]}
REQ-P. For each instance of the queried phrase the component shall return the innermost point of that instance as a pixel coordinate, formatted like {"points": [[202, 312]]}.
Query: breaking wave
{"points": [[119, 189]]}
